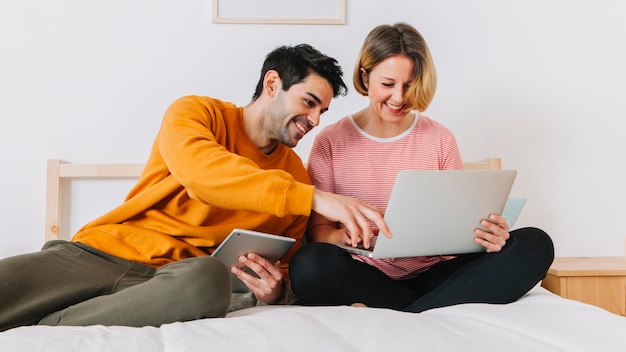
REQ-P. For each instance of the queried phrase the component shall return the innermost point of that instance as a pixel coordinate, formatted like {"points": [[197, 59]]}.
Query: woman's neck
{"points": [[374, 125]]}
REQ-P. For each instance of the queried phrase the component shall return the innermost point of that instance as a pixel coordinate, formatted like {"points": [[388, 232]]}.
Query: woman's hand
{"points": [[268, 287], [496, 236]]}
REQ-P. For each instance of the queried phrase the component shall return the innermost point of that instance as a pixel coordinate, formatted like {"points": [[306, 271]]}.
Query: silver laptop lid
{"points": [[435, 212]]}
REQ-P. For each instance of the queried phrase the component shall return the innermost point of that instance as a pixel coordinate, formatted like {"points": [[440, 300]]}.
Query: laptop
{"points": [[435, 212], [241, 242]]}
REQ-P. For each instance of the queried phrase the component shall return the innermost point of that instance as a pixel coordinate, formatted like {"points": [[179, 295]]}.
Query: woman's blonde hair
{"points": [[399, 39]]}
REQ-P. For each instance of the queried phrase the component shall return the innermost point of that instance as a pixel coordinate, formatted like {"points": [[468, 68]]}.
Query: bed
{"points": [[539, 321]]}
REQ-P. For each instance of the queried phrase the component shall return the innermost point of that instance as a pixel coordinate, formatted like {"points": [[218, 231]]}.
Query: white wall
{"points": [[537, 83]]}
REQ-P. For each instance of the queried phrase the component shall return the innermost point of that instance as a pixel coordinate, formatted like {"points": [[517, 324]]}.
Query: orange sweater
{"points": [[203, 178]]}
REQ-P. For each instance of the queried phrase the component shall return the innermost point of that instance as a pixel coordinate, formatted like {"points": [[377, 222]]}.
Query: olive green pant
{"points": [[73, 284]]}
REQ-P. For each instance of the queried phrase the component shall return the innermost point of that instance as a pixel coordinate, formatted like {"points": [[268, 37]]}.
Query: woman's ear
{"points": [[364, 78], [272, 82]]}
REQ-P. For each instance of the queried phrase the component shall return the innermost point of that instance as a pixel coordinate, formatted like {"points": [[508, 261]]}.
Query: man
{"points": [[213, 167]]}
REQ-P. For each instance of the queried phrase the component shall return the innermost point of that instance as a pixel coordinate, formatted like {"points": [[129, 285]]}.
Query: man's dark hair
{"points": [[295, 63]]}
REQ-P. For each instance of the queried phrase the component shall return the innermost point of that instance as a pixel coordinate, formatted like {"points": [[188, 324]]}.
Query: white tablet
{"points": [[241, 242]]}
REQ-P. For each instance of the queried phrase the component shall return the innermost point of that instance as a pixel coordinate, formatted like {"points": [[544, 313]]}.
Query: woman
{"points": [[360, 155]]}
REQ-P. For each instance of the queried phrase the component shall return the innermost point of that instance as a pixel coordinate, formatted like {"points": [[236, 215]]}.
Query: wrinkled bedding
{"points": [[539, 321]]}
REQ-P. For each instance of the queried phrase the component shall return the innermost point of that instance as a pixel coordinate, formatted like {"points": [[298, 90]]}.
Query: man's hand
{"points": [[355, 215], [268, 287]]}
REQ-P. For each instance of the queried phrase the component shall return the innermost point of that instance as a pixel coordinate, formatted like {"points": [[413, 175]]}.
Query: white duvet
{"points": [[540, 321]]}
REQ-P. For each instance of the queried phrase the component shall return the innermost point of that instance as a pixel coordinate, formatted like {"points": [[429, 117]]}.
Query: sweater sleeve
{"points": [[214, 160]]}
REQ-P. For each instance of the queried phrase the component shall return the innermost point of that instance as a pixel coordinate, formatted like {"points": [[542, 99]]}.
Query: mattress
{"points": [[539, 321]]}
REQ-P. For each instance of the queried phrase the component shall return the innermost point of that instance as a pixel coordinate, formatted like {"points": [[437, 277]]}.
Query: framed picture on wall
{"points": [[280, 11]]}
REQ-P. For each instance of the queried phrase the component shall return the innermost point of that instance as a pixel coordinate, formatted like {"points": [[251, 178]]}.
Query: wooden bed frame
{"points": [[58, 171]]}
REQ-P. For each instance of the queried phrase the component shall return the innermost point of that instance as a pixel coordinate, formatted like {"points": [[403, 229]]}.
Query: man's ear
{"points": [[272, 82]]}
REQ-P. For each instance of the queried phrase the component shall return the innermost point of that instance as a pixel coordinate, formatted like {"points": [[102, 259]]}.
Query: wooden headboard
{"points": [[487, 164], [58, 170]]}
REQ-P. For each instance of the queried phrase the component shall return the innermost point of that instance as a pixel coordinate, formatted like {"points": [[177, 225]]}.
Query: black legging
{"points": [[324, 274]]}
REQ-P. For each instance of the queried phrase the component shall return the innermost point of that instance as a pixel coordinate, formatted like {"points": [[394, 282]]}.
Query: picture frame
{"points": [[328, 12]]}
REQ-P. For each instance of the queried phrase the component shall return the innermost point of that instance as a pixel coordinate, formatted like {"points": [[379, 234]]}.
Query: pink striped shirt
{"points": [[346, 160]]}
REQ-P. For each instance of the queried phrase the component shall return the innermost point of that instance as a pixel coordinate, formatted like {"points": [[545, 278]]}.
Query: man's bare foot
{"points": [[359, 305]]}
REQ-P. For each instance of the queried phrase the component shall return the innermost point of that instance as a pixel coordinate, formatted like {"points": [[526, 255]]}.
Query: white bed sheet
{"points": [[539, 321]]}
